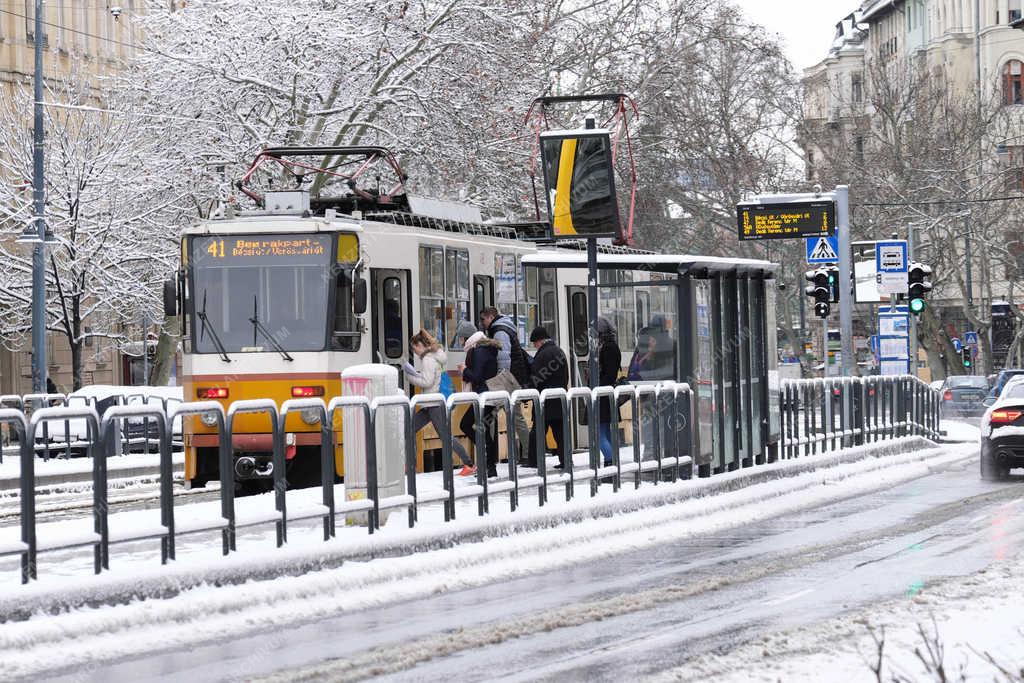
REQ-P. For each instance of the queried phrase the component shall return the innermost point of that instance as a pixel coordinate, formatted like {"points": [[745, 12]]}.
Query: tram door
{"points": [[483, 295], [392, 322]]}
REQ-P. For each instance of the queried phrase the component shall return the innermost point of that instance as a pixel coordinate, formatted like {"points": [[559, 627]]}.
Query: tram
{"points": [[275, 302]]}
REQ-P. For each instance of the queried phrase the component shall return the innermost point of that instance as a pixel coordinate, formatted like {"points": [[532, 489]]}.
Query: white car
{"points": [[1002, 432], [102, 397]]}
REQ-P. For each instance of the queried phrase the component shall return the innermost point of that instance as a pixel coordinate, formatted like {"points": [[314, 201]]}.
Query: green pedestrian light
{"points": [[916, 305]]}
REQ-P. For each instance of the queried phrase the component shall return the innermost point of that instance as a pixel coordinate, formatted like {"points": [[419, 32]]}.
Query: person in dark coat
{"points": [[481, 365], [550, 370], [609, 362]]}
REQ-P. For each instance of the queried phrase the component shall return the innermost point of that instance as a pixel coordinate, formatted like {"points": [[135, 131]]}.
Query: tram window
{"points": [[346, 335], [432, 290], [457, 293], [548, 301], [578, 315], [526, 312], [392, 323]]}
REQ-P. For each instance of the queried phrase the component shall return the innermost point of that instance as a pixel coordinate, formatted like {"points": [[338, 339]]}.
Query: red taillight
{"points": [[212, 392], [947, 395], [1004, 417], [307, 392]]}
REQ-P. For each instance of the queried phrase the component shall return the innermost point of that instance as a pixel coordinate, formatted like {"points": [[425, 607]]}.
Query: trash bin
{"points": [[372, 380]]}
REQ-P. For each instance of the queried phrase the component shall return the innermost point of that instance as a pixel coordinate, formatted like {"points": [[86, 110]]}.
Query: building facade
{"points": [[890, 65]]}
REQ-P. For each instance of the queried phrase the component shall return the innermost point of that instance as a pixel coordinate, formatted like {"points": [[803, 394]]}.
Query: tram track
{"points": [[67, 504]]}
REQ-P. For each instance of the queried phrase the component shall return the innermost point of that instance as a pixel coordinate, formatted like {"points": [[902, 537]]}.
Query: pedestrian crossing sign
{"points": [[824, 249]]}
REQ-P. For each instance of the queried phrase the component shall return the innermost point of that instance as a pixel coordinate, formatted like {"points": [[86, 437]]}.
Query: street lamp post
{"points": [[39, 202], [39, 207]]}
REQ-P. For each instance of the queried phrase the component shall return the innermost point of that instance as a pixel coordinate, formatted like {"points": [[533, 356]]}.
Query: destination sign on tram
{"points": [[262, 248], [785, 220]]}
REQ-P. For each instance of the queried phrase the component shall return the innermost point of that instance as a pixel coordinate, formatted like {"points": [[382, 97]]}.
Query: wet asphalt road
{"points": [[632, 616]]}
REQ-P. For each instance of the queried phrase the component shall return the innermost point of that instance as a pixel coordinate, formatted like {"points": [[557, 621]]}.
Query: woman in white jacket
{"points": [[432, 367]]}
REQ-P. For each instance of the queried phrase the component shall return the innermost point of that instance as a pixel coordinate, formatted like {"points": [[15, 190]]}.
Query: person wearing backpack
{"points": [[513, 359], [432, 378]]}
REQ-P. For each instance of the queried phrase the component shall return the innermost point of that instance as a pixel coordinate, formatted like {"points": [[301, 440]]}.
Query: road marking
{"points": [[977, 519], [788, 598]]}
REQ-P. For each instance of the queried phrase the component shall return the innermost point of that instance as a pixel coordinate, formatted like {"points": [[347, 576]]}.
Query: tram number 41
{"points": [[216, 249]]}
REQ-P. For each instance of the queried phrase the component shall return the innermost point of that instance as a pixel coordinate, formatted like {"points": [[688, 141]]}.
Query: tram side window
{"points": [[527, 309], [432, 290], [457, 290], [393, 327], [578, 313], [345, 336], [548, 301]]}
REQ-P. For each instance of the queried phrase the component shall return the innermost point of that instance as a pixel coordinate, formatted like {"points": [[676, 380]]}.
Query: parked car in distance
{"points": [[964, 395], [1002, 433], [104, 396], [1002, 378]]}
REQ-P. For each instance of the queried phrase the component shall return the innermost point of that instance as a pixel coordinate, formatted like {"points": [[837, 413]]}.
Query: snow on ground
{"points": [[977, 621], [206, 611], [959, 431]]}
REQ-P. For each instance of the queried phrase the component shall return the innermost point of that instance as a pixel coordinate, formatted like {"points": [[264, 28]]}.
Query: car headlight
{"points": [[310, 416], [209, 419]]}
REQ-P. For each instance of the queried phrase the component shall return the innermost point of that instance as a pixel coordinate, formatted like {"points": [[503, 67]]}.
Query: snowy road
{"points": [[639, 613]]}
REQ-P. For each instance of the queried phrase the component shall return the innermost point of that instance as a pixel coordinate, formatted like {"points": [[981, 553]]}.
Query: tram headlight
{"points": [[209, 419], [310, 416]]}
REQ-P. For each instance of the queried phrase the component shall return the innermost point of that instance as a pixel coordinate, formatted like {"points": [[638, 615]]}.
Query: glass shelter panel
{"points": [[702, 381]]}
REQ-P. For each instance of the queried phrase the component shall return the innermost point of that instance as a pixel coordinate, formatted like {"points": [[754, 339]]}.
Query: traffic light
{"points": [[833, 284], [820, 289], [918, 287], [966, 357]]}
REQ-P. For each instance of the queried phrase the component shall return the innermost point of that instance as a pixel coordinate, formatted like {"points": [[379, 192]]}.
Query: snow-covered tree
{"points": [[107, 203]]}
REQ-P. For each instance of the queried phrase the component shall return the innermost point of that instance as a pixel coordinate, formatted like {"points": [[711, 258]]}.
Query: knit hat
{"points": [[473, 340], [465, 330], [539, 334]]}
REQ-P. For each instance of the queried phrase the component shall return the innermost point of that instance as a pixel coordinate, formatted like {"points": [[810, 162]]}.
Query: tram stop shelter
{"points": [[717, 317]]}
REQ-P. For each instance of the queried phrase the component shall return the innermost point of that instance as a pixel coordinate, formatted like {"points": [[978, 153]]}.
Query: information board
{"points": [[579, 181], [785, 220]]}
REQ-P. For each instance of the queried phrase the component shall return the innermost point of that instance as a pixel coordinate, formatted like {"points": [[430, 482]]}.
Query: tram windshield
{"points": [[252, 293]]}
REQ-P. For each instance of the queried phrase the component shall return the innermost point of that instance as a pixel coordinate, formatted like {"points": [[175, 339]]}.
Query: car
{"points": [[1002, 378], [1002, 434], [936, 385], [964, 395], [102, 397]]}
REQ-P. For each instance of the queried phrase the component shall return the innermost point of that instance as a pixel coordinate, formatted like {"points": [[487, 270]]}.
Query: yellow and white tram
{"points": [[277, 302]]}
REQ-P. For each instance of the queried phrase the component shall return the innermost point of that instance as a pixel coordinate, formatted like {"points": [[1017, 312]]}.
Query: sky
{"points": [[807, 27]]}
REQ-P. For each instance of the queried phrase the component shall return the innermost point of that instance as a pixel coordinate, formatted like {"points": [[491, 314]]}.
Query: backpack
{"points": [[446, 388]]}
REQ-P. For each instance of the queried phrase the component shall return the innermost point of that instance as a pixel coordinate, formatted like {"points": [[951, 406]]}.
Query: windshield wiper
{"points": [[213, 333], [258, 326]]}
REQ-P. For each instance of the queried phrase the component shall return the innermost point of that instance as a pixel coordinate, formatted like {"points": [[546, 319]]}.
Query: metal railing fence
{"points": [[816, 415]]}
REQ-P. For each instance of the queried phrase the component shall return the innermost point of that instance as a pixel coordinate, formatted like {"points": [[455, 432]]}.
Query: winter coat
{"points": [[550, 370], [511, 357], [433, 365], [609, 361], [481, 365]]}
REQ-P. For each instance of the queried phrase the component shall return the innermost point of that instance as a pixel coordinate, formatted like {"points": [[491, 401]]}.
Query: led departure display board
{"points": [[785, 220]]}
